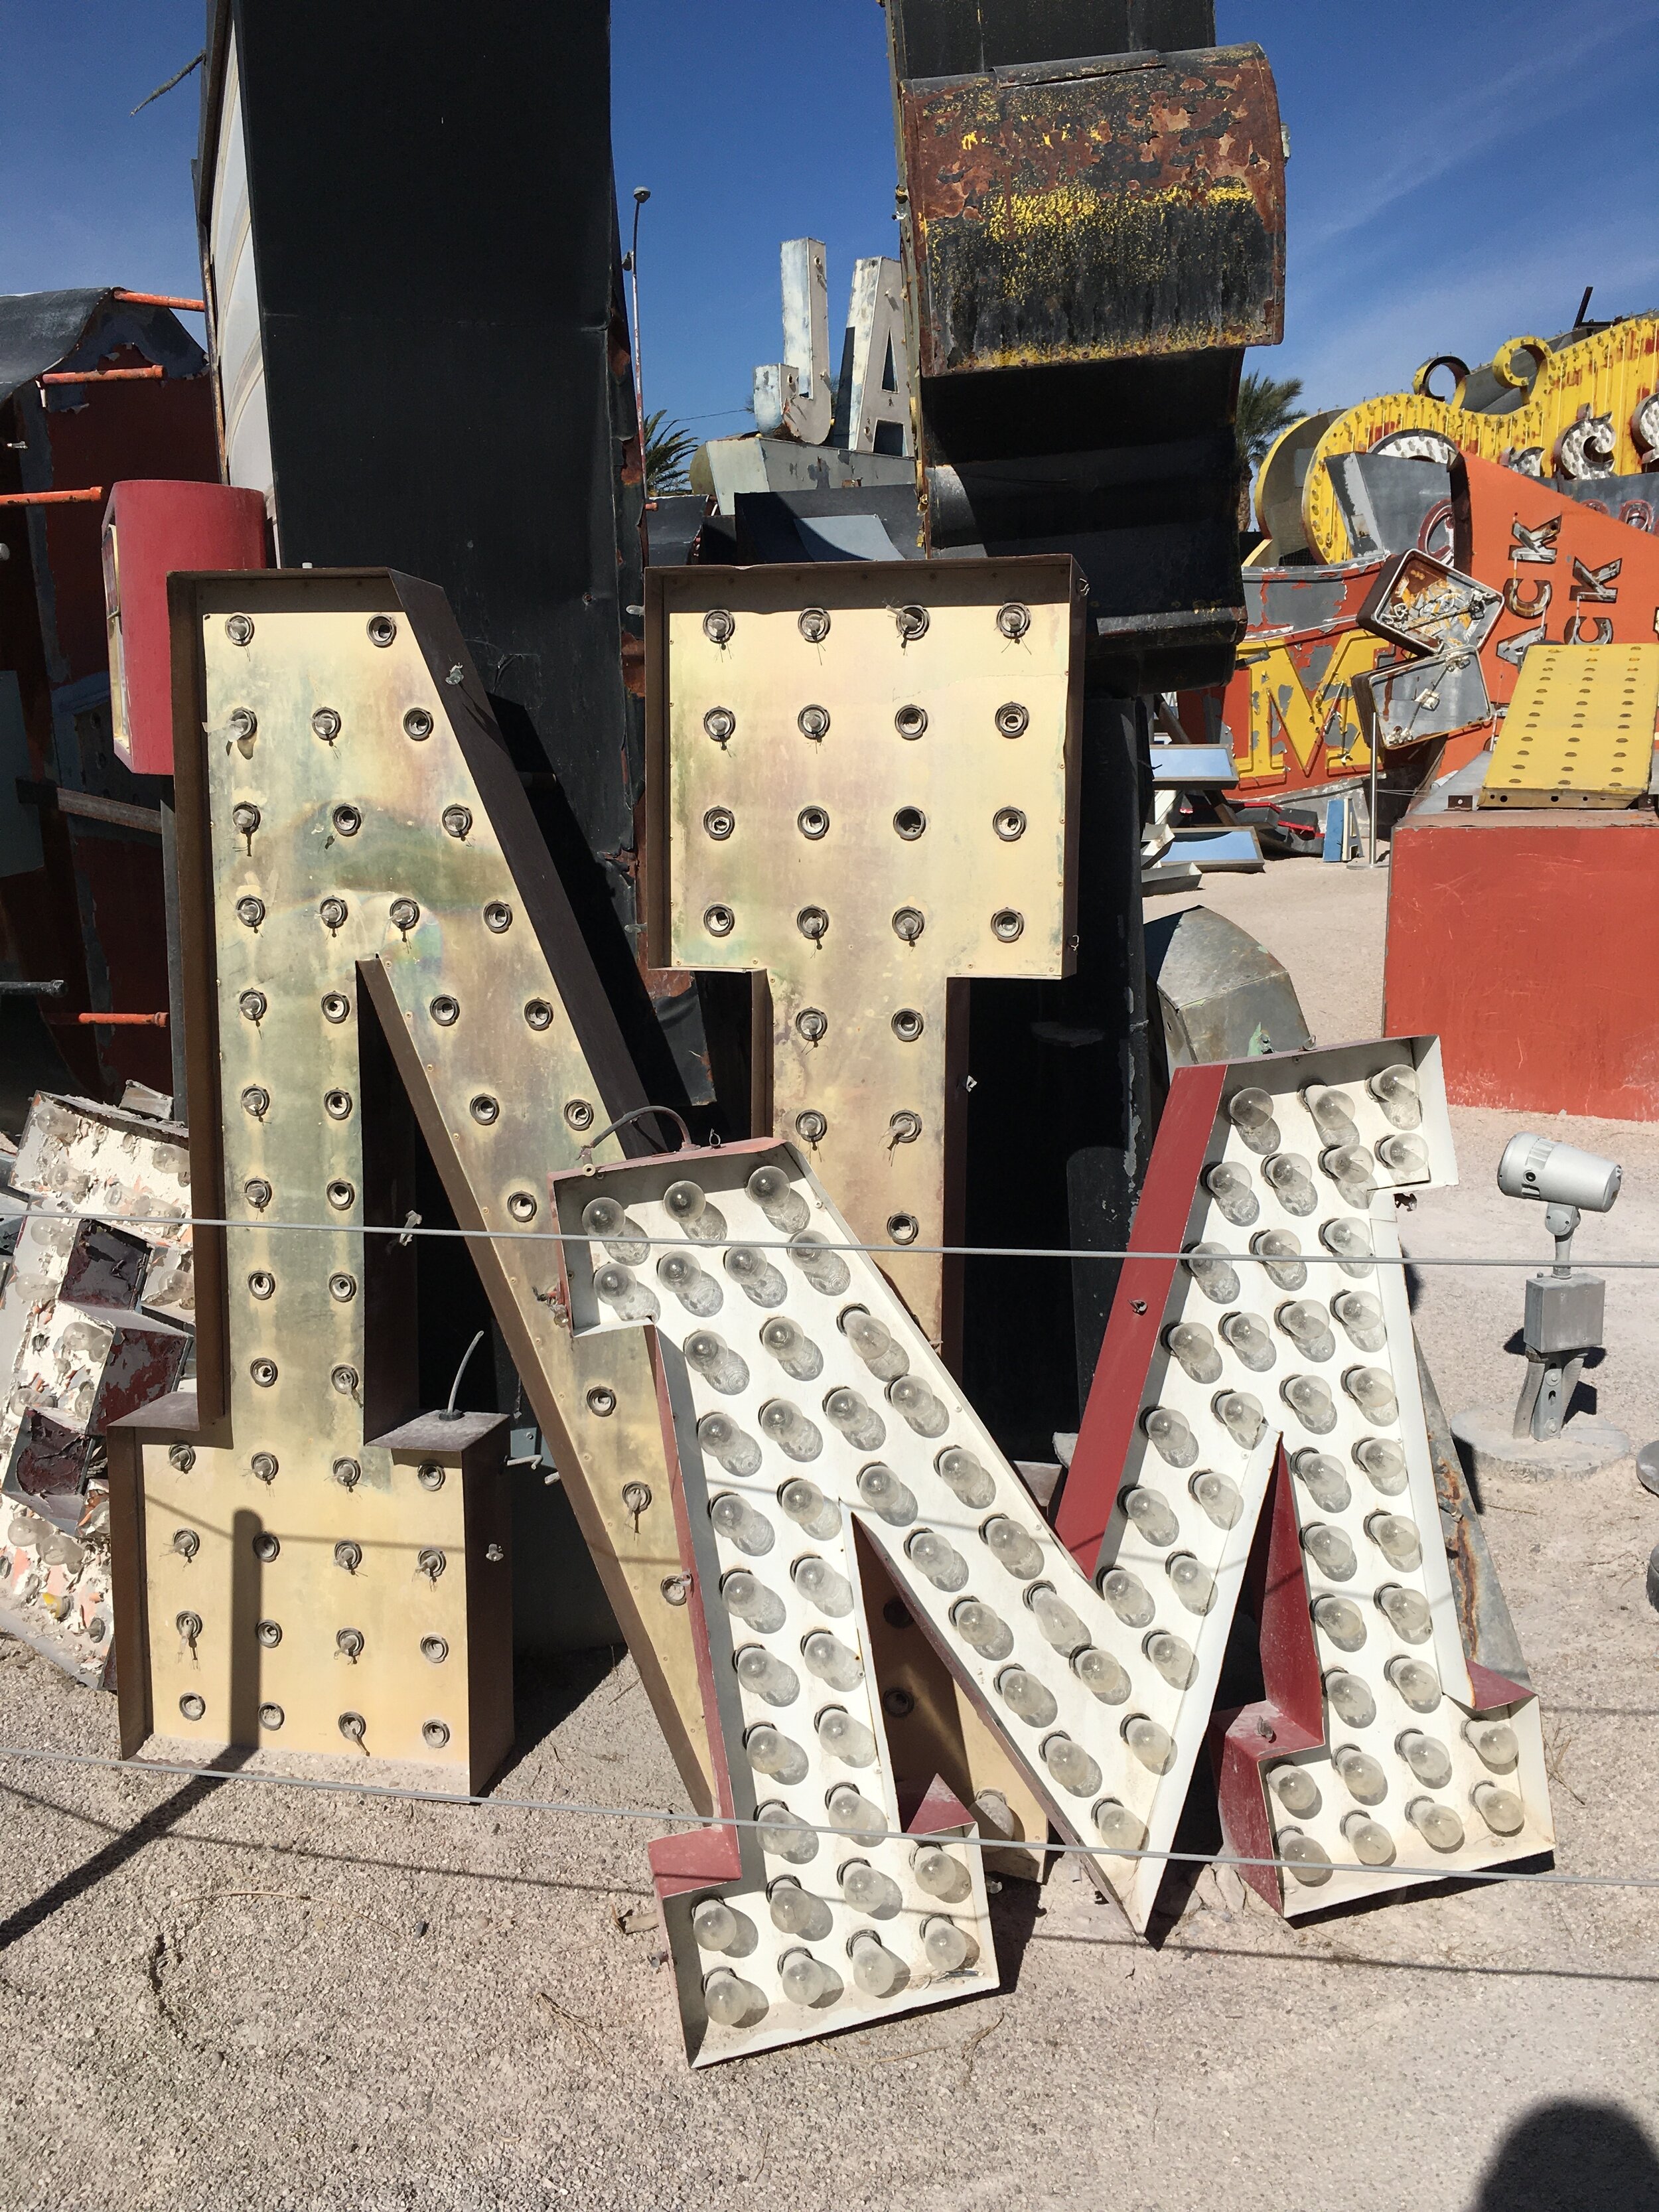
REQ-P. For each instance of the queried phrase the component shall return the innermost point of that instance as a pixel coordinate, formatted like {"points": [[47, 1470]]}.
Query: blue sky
{"points": [[1458, 174]]}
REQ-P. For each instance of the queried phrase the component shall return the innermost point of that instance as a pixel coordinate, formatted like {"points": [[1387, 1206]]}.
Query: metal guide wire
{"points": [[178, 1770], [1532, 1259]]}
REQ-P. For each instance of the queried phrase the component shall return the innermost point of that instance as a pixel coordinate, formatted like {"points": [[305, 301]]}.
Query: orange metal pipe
{"points": [[162, 299], [123, 1021], [48, 498], [102, 375]]}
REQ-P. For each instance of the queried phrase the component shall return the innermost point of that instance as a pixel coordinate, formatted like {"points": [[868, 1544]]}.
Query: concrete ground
{"points": [[226, 1995]]}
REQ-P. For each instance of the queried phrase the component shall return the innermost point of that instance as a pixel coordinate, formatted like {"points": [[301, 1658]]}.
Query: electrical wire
{"points": [[177, 1770]]}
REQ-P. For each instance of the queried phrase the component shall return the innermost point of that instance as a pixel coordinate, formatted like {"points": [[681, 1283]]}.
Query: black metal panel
{"points": [[951, 38]]}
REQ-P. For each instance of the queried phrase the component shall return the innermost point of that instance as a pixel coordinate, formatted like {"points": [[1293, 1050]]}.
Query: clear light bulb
{"points": [[1351, 1241], [1406, 1157], [1242, 1417], [1292, 1181], [1383, 1461], [1173, 1658], [778, 1199], [715, 1926], [943, 1945], [755, 1276], [1251, 1113], [1351, 1699], [853, 1813], [832, 1661], [1371, 1390], [791, 1347], [1229, 1187], [1129, 1597], [1322, 1478], [1501, 1809], [622, 1239], [1012, 1547], [789, 1429], [875, 1969], [884, 1494], [1494, 1743], [966, 1477], [1296, 1790], [1285, 1269], [1309, 1860], [1349, 1166], [683, 1275], [989, 1633], [1025, 1696], [796, 1911], [1070, 1766], [875, 1344], [1191, 1580], [1116, 1825], [1102, 1675], [1395, 1091], [1438, 1825], [1057, 1622], [1341, 1620], [736, 1520], [866, 1889], [806, 1980], [687, 1206], [822, 1586], [1361, 1316], [628, 1297], [1362, 1777], [727, 1444], [941, 1562], [809, 1508], [824, 1270], [731, 2001], [856, 1419], [1191, 1344], [1154, 1746], [710, 1356], [919, 1407], [1407, 1612], [1170, 1434], [771, 1751], [1332, 1118], [1308, 1326], [1222, 1502], [1309, 1399], [783, 1835], [1430, 1762], [1397, 1540], [940, 1874], [1151, 1515], [1329, 1549], [1368, 1839], [747, 1596], [1215, 1275], [1417, 1683], [764, 1676]]}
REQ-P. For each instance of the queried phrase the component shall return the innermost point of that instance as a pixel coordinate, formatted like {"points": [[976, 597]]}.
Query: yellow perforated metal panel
{"points": [[1579, 732]]}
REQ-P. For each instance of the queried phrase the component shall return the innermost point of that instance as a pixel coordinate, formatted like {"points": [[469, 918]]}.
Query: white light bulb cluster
{"points": [[827, 1404], [1324, 1354]]}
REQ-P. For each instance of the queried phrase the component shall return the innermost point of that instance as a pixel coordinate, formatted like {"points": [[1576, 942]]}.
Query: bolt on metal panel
{"points": [[862, 782]]}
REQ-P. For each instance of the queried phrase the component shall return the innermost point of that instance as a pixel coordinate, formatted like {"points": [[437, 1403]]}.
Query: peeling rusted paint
{"points": [[1089, 217]]}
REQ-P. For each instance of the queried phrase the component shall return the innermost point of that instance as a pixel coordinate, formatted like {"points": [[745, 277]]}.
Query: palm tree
{"points": [[668, 446], [1267, 406]]}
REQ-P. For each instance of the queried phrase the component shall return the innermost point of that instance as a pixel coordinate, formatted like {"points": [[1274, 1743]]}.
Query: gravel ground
{"points": [[226, 1995]]}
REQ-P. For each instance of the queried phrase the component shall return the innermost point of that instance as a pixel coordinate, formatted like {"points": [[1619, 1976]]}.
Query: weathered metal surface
{"points": [[1221, 995], [1442, 696], [1587, 410], [1580, 728], [1325, 1357], [1095, 210], [377, 777], [55, 1591], [863, 816]]}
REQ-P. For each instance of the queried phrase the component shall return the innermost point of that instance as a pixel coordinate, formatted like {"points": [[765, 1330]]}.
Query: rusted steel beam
{"points": [[104, 375], [50, 498], [162, 299], [1095, 210]]}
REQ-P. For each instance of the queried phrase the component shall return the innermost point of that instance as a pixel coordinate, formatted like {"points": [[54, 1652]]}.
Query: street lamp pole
{"points": [[641, 194]]}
